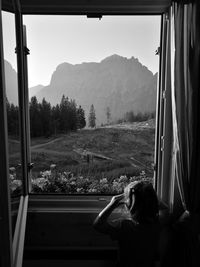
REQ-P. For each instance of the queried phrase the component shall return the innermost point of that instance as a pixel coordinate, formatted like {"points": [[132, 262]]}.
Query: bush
{"points": [[53, 181]]}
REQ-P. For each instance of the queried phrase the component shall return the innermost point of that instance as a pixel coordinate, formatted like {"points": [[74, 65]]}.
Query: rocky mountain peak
{"points": [[114, 57], [116, 82]]}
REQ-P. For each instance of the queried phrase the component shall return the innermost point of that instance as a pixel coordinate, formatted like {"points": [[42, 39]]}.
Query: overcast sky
{"points": [[75, 39]]}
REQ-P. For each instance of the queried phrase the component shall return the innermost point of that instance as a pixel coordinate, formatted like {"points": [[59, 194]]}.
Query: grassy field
{"points": [[95, 153]]}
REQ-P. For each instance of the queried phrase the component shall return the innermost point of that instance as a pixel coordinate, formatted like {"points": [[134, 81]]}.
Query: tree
{"points": [[108, 115], [35, 118], [12, 118], [80, 118], [45, 117], [56, 119], [92, 117], [68, 115]]}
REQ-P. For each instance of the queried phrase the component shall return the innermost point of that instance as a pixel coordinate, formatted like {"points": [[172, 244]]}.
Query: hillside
{"points": [[11, 83], [116, 82], [12, 86], [35, 89], [120, 83]]}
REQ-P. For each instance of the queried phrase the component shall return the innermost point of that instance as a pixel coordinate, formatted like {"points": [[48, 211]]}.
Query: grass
{"points": [[130, 151], [116, 152], [121, 145]]}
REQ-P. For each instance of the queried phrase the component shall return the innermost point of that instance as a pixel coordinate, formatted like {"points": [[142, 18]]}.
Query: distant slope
{"points": [[116, 82], [12, 86], [120, 83], [11, 83], [35, 90]]}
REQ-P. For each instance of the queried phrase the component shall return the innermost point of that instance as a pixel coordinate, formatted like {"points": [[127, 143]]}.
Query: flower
{"points": [[52, 166], [92, 190], [66, 182], [12, 169], [15, 184], [39, 182], [123, 178], [80, 190], [103, 181]]}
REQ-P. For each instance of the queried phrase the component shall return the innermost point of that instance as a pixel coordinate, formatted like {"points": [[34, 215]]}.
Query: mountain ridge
{"points": [[120, 83]]}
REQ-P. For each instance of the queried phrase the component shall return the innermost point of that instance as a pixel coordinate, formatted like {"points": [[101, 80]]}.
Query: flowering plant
{"points": [[53, 181], [15, 182]]}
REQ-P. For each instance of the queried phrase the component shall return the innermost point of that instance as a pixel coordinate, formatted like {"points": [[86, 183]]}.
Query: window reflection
{"points": [[12, 104]]}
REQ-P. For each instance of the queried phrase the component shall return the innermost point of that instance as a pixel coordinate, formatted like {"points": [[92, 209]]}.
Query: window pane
{"points": [[10, 64], [92, 88]]}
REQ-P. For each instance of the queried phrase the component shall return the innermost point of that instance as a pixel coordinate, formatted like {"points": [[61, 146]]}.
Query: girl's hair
{"points": [[142, 201]]}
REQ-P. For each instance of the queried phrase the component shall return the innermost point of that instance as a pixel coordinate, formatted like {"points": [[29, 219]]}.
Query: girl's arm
{"points": [[101, 222]]}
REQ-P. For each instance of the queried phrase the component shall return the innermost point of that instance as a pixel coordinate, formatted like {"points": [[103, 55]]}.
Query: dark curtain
{"points": [[186, 108], [186, 127]]}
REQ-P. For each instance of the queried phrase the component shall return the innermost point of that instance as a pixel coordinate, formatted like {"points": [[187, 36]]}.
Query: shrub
{"points": [[54, 181]]}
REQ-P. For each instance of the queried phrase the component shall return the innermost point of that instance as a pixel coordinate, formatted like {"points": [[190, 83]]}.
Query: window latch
{"points": [[30, 166], [26, 51], [157, 53], [154, 166]]}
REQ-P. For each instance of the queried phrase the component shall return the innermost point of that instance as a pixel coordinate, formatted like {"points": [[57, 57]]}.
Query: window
{"points": [[92, 101], [10, 64]]}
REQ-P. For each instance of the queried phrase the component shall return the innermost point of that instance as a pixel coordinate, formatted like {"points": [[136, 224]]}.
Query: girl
{"points": [[137, 231]]}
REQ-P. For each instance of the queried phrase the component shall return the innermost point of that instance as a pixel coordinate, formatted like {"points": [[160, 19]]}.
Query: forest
{"points": [[103, 160], [47, 120]]}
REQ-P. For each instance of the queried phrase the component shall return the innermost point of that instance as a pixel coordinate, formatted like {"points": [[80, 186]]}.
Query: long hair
{"points": [[142, 201]]}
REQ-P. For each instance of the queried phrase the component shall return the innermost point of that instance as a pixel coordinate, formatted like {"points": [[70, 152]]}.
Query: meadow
{"points": [[108, 152]]}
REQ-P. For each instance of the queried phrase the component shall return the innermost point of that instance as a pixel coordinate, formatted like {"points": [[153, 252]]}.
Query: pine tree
{"points": [[108, 115], [35, 118], [92, 117], [12, 119], [73, 115], [45, 116], [55, 119], [68, 115], [80, 118], [64, 114]]}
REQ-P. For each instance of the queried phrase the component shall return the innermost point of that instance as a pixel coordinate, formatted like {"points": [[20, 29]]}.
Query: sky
{"points": [[53, 40]]}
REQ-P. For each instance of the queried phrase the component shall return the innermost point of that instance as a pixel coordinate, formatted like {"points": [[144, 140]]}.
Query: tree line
{"points": [[130, 116], [47, 120]]}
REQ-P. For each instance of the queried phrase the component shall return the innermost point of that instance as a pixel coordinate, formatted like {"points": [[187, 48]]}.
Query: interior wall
{"points": [[64, 230]]}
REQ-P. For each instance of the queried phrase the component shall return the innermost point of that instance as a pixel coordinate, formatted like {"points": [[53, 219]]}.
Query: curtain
{"points": [[185, 89], [185, 101]]}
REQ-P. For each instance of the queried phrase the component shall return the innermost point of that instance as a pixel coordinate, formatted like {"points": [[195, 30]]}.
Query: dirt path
{"points": [[138, 163], [36, 148], [49, 151], [47, 143], [85, 153]]}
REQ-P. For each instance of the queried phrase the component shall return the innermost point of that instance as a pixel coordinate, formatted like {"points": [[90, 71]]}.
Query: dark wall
{"points": [[64, 229]]}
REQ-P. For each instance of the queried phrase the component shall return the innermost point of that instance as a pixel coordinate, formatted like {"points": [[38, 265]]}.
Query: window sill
{"points": [[72, 204]]}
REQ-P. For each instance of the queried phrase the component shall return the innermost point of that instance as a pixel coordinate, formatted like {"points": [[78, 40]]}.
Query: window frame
{"points": [[70, 203], [157, 143], [6, 258], [160, 118]]}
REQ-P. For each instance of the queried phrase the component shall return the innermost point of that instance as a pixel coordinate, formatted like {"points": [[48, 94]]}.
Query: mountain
{"points": [[12, 86], [116, 82], [122, 84], [11, 83], [35, 89]]}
